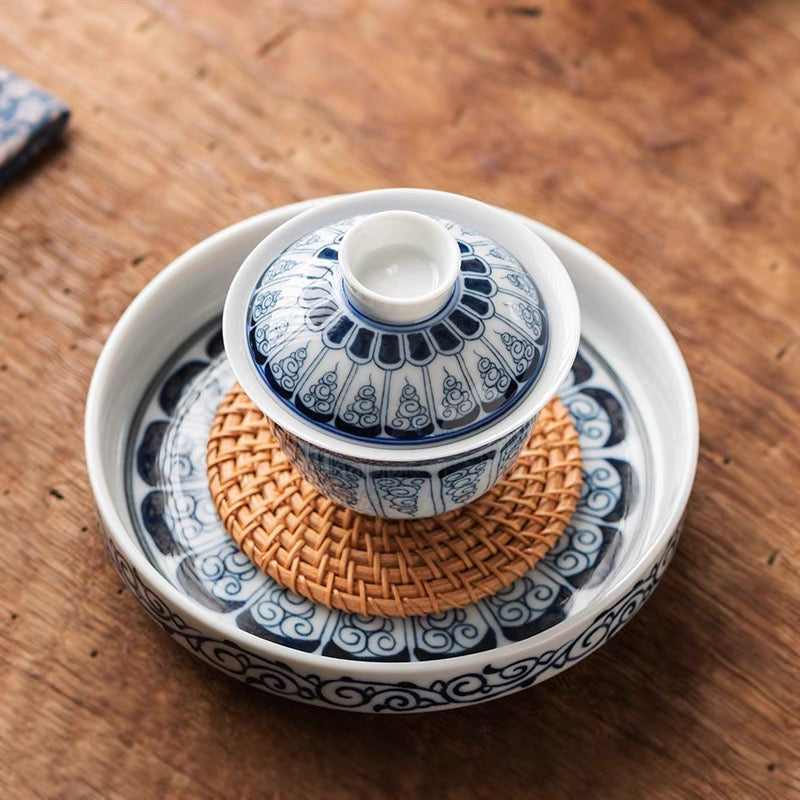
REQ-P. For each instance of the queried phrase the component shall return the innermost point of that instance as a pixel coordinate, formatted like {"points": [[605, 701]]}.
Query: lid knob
{"points": [[399, 267]]}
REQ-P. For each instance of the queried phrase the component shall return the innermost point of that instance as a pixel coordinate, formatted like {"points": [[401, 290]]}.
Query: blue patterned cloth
{"points": [[30, 119]]}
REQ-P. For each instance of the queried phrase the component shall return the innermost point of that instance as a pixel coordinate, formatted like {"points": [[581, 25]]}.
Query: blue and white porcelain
{"points": [[154, 391], [179, 530], [402, 343]]}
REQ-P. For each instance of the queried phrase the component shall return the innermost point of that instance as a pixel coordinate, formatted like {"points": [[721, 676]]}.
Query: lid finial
{"points": [[399, 267]]}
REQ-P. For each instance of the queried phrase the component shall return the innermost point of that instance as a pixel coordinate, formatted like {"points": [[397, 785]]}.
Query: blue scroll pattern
{"points": [[342, 691]]}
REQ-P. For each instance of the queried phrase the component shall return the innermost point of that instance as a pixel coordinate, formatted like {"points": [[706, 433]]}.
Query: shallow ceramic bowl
{"points": [[503, 306], [629, 394]]}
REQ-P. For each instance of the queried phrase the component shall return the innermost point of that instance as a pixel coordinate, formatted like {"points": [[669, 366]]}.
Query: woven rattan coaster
{"points": [[367, 565]]}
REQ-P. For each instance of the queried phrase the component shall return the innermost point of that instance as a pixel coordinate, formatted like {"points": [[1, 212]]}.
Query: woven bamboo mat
{"points": [[368, 565]]}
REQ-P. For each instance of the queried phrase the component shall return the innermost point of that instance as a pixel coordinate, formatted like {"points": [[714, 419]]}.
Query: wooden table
{"points": [[664, 135]]}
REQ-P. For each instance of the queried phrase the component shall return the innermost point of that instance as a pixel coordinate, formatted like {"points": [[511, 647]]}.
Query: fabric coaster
{"points": [[30, 120]]}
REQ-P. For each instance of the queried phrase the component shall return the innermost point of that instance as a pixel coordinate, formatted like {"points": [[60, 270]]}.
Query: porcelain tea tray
{"points": [[155, 391]]}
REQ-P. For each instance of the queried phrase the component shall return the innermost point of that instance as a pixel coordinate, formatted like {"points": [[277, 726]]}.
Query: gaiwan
{"points": [[401, 342]]}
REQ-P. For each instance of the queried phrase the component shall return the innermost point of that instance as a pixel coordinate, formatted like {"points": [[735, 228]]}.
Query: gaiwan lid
{"points": [[396, 319]]}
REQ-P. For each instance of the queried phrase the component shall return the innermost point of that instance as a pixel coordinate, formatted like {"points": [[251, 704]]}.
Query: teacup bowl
{"points": [[402, 343], [382, 488]]}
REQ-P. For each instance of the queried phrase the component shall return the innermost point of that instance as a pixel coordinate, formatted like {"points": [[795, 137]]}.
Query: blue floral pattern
{"points": [[484, 348], [521, 352], [495, 380], [400, 491], [318, 400], [532, 603], [218, 578], [182, 536], [368, 638], [457, 402], [530, 316], [583, 545], [280, 615], [362, 413], [342, 482], [598, 416], [461, 484], [523, 282], [286, 372], [436, 635], [411, 418]]}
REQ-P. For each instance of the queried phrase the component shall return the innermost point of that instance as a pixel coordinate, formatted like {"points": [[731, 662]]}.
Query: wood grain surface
{"points": [[664, 134]]}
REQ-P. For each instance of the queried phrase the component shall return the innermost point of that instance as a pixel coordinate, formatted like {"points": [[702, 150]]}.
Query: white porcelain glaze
{"points": [[399, 267]]}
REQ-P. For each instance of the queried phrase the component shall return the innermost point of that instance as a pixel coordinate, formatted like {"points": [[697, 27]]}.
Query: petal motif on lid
{"points": [[308, 239], [477, 305], [319, 315], [264, 302], [337, 331], [530, 316], [468, 326], [389, 354], [522, 352], [496, 384], [314, 293], [361, 345], [480, 286], [267, 335], [418, 349], [281, 266], [457, 371], [474, 266], [445, 339], [521, 281]]}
